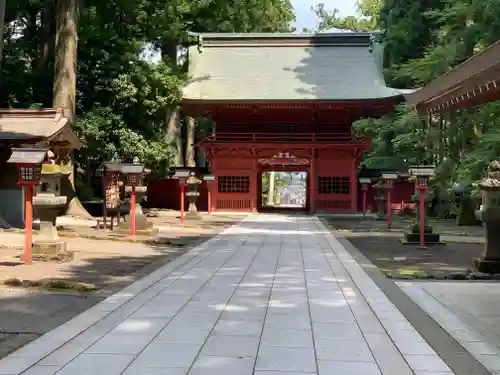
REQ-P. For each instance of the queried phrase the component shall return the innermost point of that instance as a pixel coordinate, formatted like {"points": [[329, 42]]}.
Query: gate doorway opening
{"points": [[283, 191]]}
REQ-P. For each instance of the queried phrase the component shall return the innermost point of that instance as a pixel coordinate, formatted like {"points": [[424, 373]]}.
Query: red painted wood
{"points": [[318, 133], [400, 197], [165, 193]]}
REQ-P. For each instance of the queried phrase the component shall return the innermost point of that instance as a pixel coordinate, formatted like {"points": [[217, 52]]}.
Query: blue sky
{"points": [[305, 17]]}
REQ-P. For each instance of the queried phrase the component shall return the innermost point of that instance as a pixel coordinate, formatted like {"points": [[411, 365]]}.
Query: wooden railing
{"points": [[280, 137]]}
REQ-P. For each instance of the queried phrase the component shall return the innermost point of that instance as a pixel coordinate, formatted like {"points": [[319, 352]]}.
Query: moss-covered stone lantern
{"points": [[381, 199], [489, 262], [192, 195], [48, 204]]}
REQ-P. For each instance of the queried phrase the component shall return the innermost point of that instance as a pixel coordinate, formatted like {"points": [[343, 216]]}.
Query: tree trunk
{"points": [[173, 118], [45, 63], [190, 140], [272, 192], [174, 135], [2, 21], [64, 94]]}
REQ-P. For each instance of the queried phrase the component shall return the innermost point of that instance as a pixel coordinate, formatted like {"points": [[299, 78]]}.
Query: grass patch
{"points": [[51, 285]]}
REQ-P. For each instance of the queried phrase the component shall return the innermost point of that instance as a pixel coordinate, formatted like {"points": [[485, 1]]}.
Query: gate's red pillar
{"points": [[254, 187], [312, 182]]}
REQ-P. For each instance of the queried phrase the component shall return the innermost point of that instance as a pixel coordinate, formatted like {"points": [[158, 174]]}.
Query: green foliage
{"points": [[109, 138], [422, 41], [122, 99], [396, 139], [368, 20]]}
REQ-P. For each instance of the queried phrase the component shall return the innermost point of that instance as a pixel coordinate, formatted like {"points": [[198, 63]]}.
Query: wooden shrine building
{"points": [[46, 128], [286, 102], [474, 82]]}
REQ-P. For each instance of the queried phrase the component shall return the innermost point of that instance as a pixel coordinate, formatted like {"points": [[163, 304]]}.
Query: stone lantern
{"points": [[141, 222], [365, 183], [192, 195], [421, 232], [210, 181], [490, 215], [29, 169], [381, 199], [48, 204], [389, 178]]}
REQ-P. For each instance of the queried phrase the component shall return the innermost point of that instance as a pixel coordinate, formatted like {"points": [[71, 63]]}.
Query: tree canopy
{"points": [[122, 96], [423, 40]]}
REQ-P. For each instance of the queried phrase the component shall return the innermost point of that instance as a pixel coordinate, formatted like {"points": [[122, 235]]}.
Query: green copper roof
{"points": [[265, 67]]}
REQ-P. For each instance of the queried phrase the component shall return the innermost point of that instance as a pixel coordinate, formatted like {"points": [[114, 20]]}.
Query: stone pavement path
{"points": [[468, 311], [272, 295]]}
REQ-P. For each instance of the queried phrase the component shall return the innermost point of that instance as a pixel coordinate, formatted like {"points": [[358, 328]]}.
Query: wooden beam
{"points": [[481, 62], [478, 86]]}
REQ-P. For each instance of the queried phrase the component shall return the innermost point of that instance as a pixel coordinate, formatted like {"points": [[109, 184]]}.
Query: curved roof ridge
{"points": [[287, 67]]}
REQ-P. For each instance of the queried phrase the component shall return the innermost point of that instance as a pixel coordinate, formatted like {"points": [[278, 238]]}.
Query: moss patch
{"points": [[51, 285], [64, 257]]}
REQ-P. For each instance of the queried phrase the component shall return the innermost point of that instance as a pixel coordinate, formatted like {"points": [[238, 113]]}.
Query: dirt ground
{"points": [[105, 260], [401, 224], [399, 261]]}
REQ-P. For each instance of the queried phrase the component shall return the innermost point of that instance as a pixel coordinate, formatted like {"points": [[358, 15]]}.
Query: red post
{"points": [[422, 217], [365, 191], [132, 211], [389, 207], [28, 223], [182, 203], [312, 183], [209, 199]]}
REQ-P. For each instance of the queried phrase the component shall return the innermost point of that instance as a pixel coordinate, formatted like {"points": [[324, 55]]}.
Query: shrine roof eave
{"points": [[475, 81], [366, 145], [248, 68], [31, 126], [256, 101], [195, 107]]}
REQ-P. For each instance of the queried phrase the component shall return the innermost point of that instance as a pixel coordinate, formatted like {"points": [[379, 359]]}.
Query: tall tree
{"points": [[2, 21], [424, 40], [64, 96], [170, 27]]}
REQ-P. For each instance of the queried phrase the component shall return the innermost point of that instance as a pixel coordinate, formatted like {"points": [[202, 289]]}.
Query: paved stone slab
{"points": [[467, 311], [272, 295]]}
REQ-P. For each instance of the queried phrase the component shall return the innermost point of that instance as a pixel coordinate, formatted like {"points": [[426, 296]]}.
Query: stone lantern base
{"points": [[489, 262], [48, 245], [192, 212], [486, 266], [430, 238]]}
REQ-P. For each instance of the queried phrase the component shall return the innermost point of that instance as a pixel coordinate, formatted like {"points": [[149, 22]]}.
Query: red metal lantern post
{"points": [[134, 174], [365, 182], [29, 167], [389, 179], [209, 179], [422, 174], [182, 175]]}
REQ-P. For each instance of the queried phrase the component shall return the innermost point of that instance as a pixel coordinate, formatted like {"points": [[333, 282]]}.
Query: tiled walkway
{"points": [[273, 295], [467, 311]]}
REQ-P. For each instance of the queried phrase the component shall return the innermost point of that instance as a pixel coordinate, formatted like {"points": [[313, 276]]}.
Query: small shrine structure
{"points": [[286, 102], [43, 128]]}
